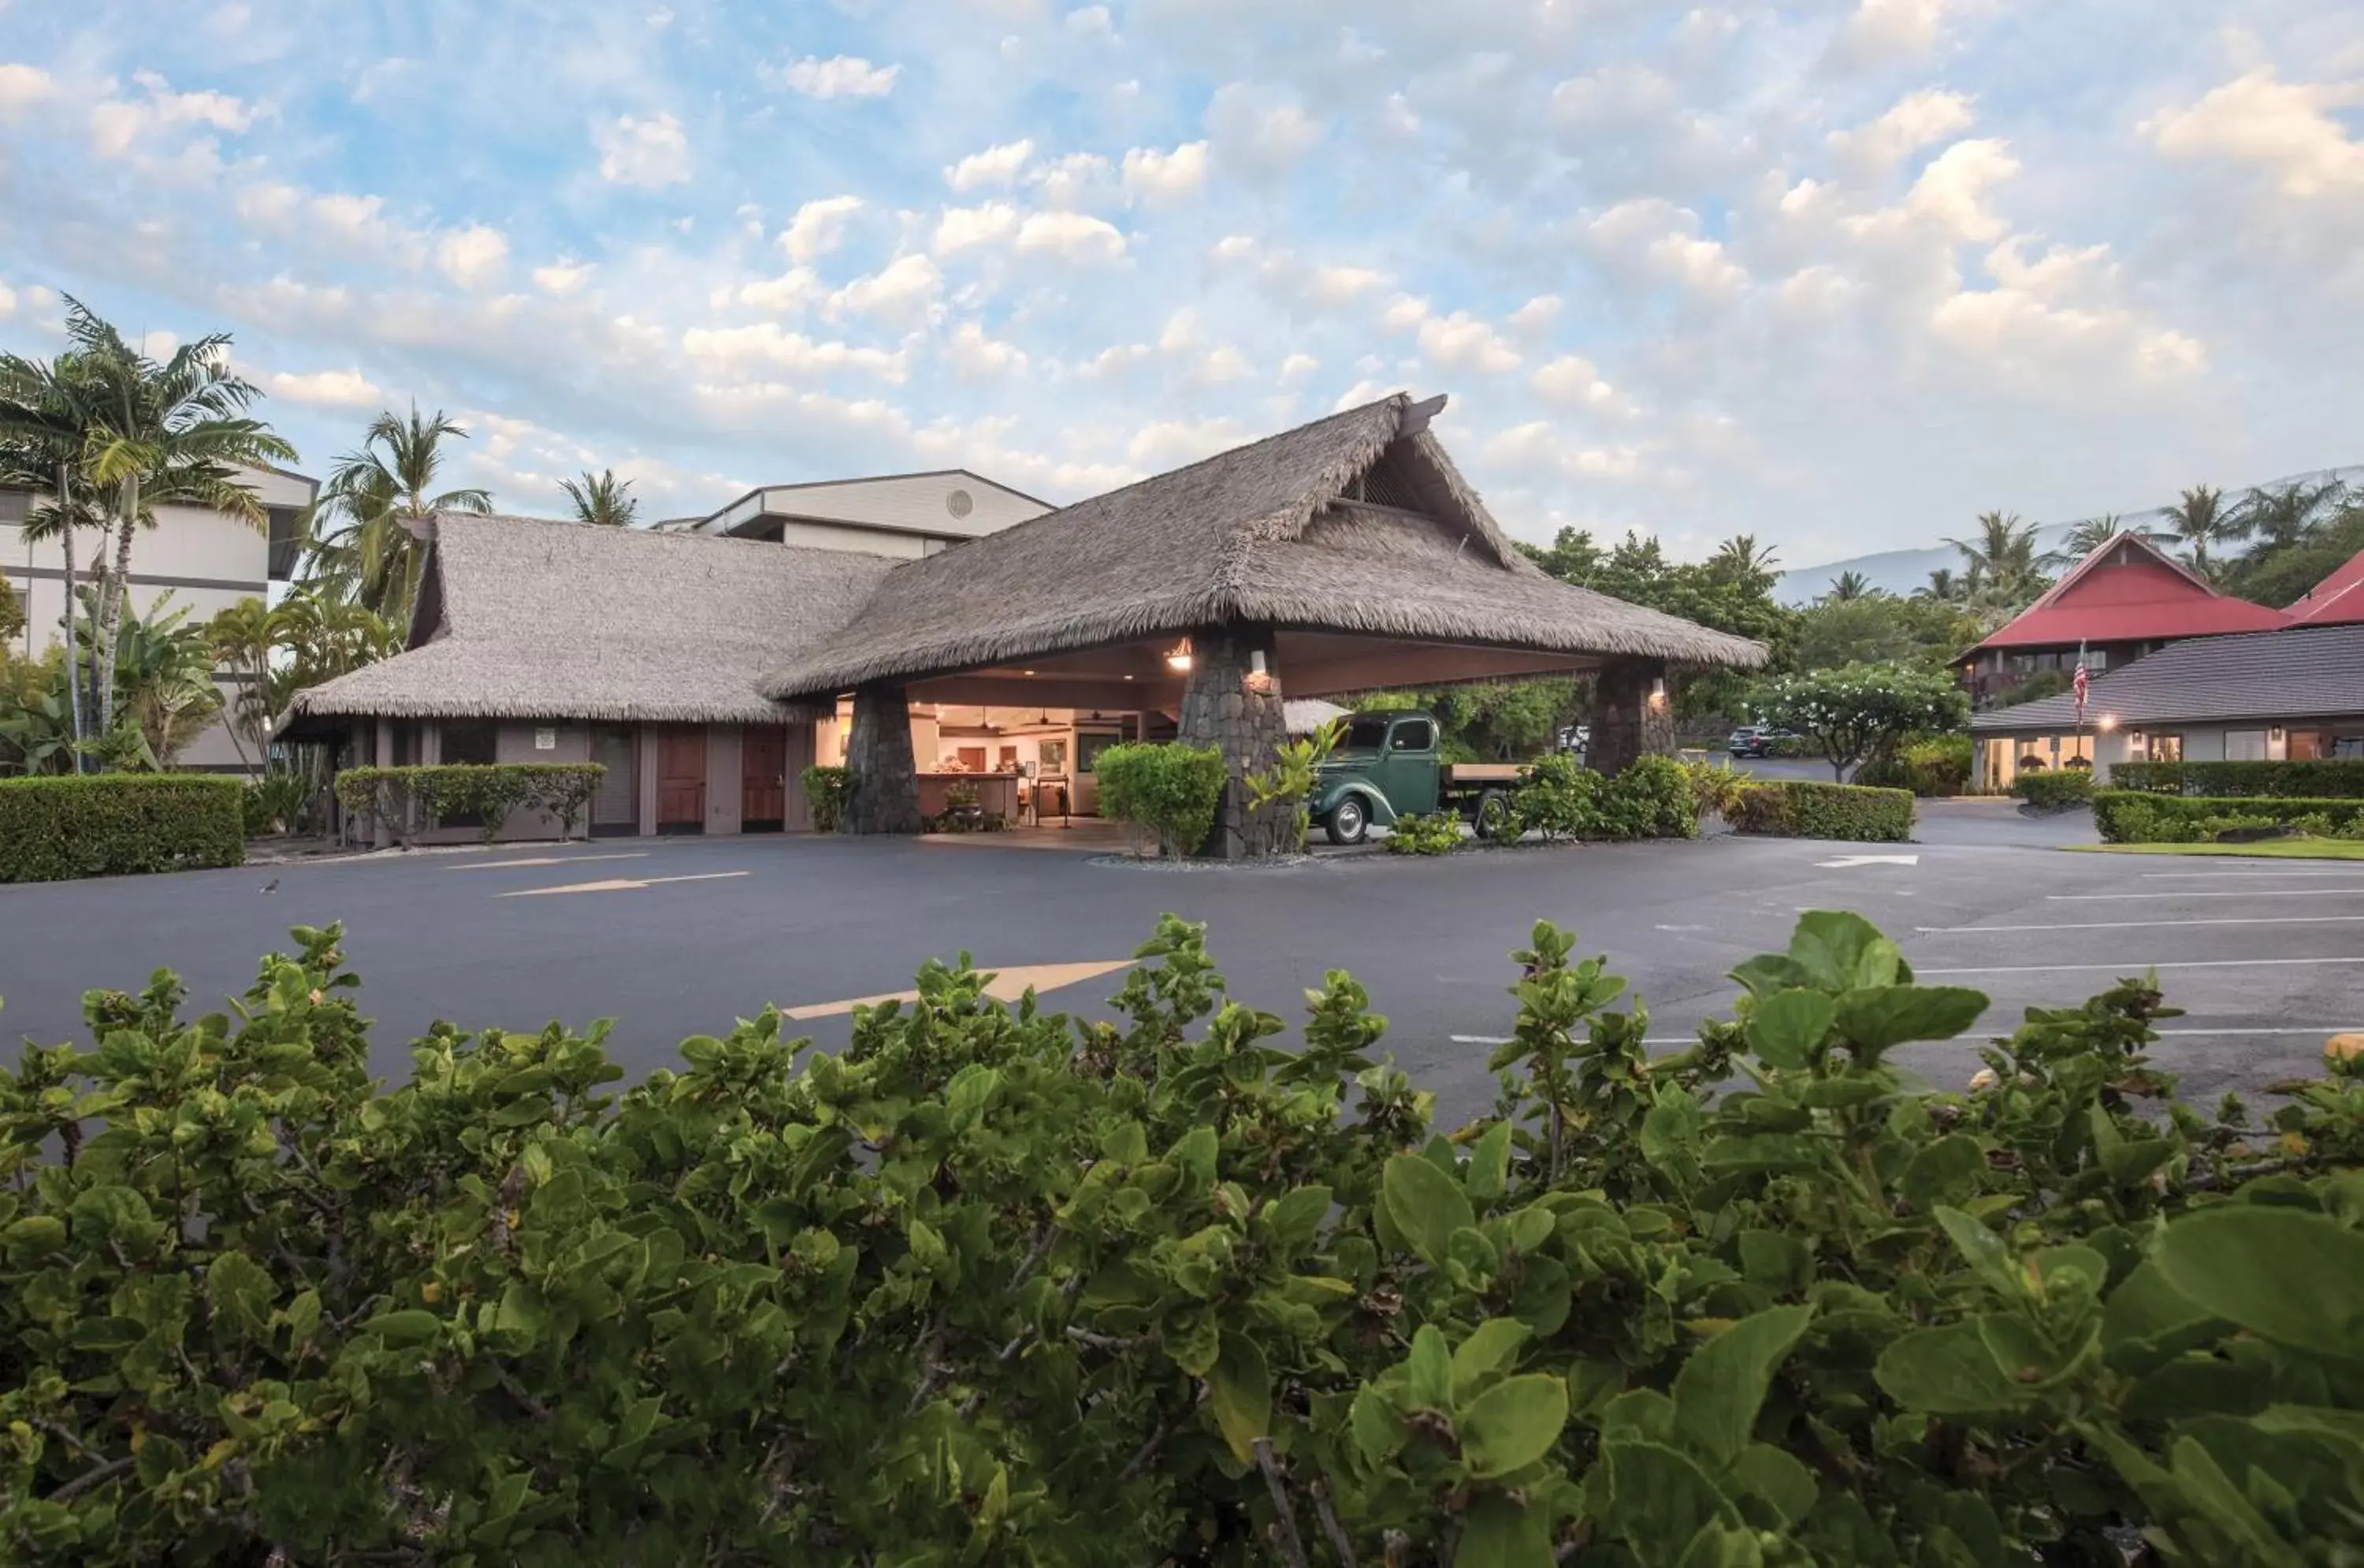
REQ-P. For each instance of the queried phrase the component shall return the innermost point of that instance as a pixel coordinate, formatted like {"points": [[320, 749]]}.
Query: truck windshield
{"points": [[1364, 735]]}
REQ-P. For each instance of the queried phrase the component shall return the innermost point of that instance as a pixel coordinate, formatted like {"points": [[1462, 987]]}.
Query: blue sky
{"points": [[1840, 272]]}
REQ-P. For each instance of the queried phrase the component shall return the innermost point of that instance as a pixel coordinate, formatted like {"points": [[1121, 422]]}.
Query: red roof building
{"points": [[2337, 600], [2126, 599]]}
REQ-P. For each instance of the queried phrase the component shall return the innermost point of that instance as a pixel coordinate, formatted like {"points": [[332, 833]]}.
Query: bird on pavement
{"points": [[270, 886]]}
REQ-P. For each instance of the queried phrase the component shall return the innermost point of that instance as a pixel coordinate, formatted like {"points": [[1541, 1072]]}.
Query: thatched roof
{"points": [[522, 618], [1357, 523]]}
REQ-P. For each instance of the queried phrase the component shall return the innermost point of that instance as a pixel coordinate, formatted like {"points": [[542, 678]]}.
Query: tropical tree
{"points": [[2000, 561], [600, 499], [2290, 515], [2091, 534], [1741, 559], [1945, 584], [1850, 586], [169, 432], [1860, 711], [273, 653], [45, 419], [164, 670], [2201, 519], [375, 505]]}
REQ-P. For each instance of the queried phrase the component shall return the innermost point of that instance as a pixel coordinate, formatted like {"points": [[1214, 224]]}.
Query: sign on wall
{"points": [[545, 739]]}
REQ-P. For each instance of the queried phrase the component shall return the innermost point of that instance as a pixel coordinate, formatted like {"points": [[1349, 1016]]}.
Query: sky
{"points": [[1838, 274]]}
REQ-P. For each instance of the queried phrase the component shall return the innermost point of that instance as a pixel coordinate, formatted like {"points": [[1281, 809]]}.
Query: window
{"points": [[2245, 745], [1364, 735], [2167, 748], [470, 741], [1089, 749], [2097, 660], [1413, 735], [1055, 758]]}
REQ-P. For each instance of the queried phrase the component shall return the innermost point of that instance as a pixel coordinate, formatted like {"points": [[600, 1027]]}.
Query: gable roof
{"points": [[2300, 673], [2151, 596], [1359, 522], [2338, 599], [524, 617]]}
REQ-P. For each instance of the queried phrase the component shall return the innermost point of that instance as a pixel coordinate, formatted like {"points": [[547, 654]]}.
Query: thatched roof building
{"points": [[1357, 526], [522, 618]]}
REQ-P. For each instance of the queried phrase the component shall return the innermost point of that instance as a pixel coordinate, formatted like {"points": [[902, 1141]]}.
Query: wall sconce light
{"points": [[2107, 722], [1659, 694], [2275, 735], [2135, 741], [1177, 657]]}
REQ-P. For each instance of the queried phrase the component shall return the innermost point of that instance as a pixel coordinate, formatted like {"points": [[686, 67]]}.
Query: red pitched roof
{"points": [[2336, 600], [2149, 596]]}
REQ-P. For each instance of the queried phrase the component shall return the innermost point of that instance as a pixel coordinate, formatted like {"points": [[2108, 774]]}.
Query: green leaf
{"points": [[1721, 1384], [239, 1292], [1659, 1497], [1293, 1219], [1378, 1431], [1775, 1259], [1944, 1171], [1491, 1347], [1429, 1370], [1239, 1391], [408, 1327], [1500, 1533], [1426, 1205], [1837, 950], [1761, 1151], [1781, 1478], [1790, 1026], [1945, 1371], [1512, 1424], [2287, 1274], [1490, 1164], [1879, 1017], [1984, 1250]]}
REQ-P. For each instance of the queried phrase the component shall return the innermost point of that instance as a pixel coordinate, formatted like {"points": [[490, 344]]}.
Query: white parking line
{"points": [[547, 861], [2154, 894], [2211, 875], [2132, 966], [2135, 925], [2163, 1034]]}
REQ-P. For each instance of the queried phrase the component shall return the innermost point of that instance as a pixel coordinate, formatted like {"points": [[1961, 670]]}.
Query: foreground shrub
{"points": [[1715, 787], [1438, 833], [274, 803], [2055, 792], [2134, 816], [825, 790], [411, 799], [1558, 797], [1171, 791], [2322, 778], [1936, 766], [1800, 808], [994, 1286], [113, 824], [1650, 797]]}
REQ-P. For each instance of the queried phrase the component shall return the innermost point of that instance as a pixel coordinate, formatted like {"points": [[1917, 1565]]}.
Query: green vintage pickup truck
{"points": [[1385, 766]]}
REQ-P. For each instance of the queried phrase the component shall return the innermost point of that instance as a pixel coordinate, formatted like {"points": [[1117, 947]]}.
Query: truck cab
{"points": [[1383, 767]]}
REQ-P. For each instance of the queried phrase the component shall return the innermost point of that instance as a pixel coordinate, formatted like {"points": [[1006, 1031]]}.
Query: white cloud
{"points": [[1574, 381], [1538, 448], [118, 124], [1535, 317], [796, 290], [21, 87], [1297, 367], [977, 357], [1157, 175], [561, 277], [1231, 247], [995, 166], [1169, 443], [1883, 32], [1921, 119], [1077, 180], [818, 228], [840, 77], [966, 228], [1091, 22], [1621, 93], [1257, 133], [472, 255], [1336, 285], [1953, 190], [1223, 364], [1404, 312], [8, 300], [650, 152], [1462, 342], [901, 294], [326, 389], [1073, 235], [731, 351], [1663, 242], [2281, 126]]}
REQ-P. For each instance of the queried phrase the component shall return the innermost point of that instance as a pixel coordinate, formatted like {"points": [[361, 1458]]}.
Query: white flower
{"points": [[1984, 1080]]}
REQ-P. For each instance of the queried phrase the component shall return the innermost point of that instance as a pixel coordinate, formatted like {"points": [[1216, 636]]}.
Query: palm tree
{"points": [[1740, 559], [2199, 520], [598, 498], [1850, 586], [44, 418], [2085, 537], [2002, 560], [2289, 516], [1943, 585], [385, 493]]}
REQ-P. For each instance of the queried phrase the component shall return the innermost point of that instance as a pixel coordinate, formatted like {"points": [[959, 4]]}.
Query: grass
{"points": [[2266, 849]]}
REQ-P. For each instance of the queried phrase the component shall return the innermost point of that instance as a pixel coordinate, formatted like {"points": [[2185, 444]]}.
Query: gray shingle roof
{"points": [[2304, 673]]}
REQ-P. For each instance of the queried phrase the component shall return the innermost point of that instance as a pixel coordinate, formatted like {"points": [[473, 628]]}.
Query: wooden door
{"points": [[762, 780], [681, 779], [616, 807]]}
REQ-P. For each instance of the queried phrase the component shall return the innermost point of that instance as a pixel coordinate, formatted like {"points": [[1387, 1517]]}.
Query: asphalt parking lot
{"points": [[680, 936]]}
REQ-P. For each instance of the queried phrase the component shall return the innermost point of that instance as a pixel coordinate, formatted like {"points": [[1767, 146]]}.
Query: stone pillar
{"points": [[882, 785], [1226, 704], [1626, 723]]}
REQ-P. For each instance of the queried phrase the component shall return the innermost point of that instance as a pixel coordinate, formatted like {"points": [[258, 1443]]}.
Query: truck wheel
{"points": [[1496, 823], [1348, 822]]}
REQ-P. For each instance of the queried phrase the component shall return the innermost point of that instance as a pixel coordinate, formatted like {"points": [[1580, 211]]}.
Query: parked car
{"points": [[1385, 766], [1755, 741]]}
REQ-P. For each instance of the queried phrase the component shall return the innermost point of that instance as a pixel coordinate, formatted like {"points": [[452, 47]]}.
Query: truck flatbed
{"points": [[1482, 772]]}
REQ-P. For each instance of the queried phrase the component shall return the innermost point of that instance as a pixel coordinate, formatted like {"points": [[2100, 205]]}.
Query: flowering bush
{"points": [[1860, 710]]}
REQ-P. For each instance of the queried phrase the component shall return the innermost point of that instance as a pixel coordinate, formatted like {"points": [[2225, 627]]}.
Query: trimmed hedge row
{"points": [[2133, 816], [1172, 791], [116, 824], [409, 799], [1937, 766], [1798, 808], [2055, 792], [2312, 779]]}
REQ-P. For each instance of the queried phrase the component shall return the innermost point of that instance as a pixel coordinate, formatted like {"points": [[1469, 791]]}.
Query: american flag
{"points": [[2078, 683]]}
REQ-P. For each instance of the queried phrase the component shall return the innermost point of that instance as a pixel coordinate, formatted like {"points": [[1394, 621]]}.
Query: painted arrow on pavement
{"points": [[1872, 861], [620, 885], [1007, 986]]}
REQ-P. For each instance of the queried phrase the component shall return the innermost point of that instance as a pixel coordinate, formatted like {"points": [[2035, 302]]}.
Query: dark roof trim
{"points": [[877, 479]]}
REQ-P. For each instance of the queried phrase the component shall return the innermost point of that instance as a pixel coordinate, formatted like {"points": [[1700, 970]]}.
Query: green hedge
{"points": [[1935, 767], [825, 791], [1170, 790], [110, 824], [999, 1286], [1800, 808], [409, 800], [2055, 792], [2313, 779], [2134, 816]]}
